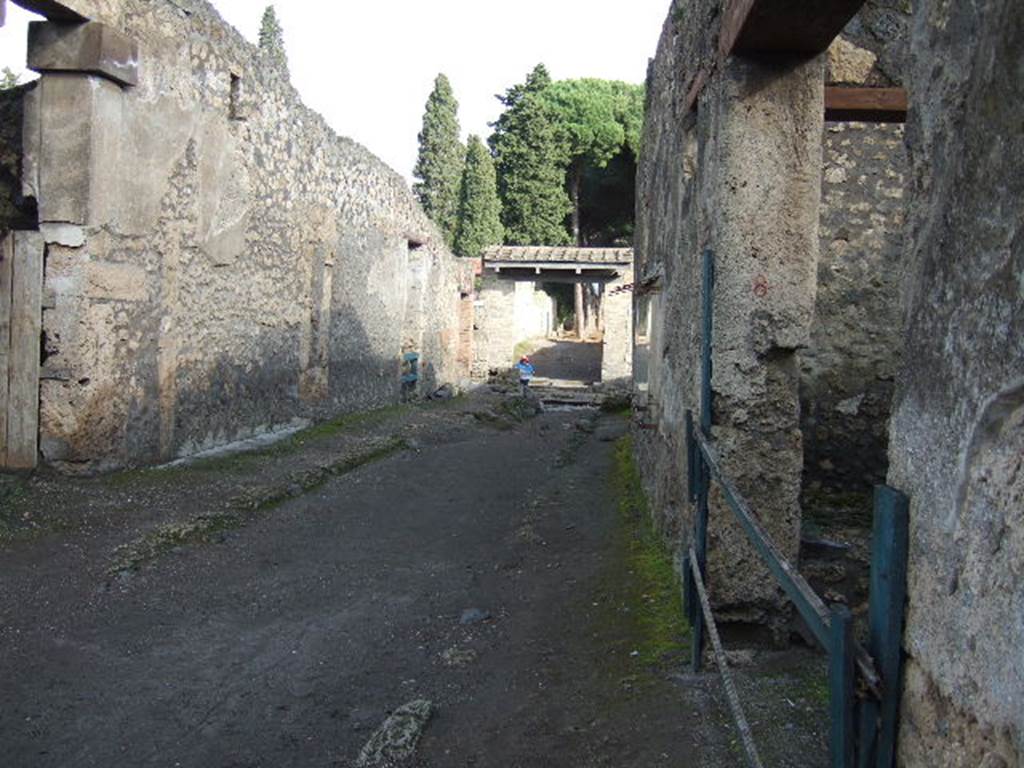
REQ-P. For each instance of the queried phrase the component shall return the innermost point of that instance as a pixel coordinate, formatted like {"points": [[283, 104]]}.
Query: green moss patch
{"points": [[649, 585]]}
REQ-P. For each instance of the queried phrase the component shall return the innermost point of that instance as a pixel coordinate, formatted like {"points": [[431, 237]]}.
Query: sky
{"points": [[369, 66]]}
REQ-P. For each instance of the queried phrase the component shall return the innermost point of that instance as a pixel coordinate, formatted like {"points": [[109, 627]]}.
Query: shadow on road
{"points": [[577, 361]]}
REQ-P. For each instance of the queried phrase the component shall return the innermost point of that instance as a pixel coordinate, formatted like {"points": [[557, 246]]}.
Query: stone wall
{"points": [[15, 211], [514, 309], [739, 176], [847, 370], [617, 320], [957, 436], [219, 262]]}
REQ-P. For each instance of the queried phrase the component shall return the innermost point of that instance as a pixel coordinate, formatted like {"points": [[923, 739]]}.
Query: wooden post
{"points": [[6, 260], [840, 679], [889, 543], [23, 363]]}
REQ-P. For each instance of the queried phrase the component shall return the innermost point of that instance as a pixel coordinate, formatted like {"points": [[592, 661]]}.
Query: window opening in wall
{"points": [[236, 111]]}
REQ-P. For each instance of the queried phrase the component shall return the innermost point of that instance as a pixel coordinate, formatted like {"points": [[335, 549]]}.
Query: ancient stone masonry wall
{"points": [[957, 435], [15, 211], [219, 263], [740, 176], [848, 369]]}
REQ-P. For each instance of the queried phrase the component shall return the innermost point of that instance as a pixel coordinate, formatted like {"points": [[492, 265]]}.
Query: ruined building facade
{"points": [[210, 260], [868, 322]]}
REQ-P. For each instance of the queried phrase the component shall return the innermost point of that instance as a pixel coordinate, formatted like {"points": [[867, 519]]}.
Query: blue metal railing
{"points": [[864, 717]]}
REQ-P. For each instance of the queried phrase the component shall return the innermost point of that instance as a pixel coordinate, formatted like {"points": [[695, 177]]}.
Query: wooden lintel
{"points": [[866, 105], [699, 81], [783, 26]]}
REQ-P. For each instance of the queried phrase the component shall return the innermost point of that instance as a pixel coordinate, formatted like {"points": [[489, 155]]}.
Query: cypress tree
{"points": [[531, 158], [479, 208], [272, 41], [441, 159]]}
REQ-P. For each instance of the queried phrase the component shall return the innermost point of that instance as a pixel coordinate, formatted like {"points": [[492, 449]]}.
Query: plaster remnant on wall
{"points": [[56, 233]]}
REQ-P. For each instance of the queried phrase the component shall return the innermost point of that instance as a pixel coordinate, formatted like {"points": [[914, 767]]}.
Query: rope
{"points": [[753, 759]]}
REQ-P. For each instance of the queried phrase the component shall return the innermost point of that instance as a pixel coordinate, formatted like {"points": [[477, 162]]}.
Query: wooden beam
{"points": [[695, 88], [867, 105], [26, 321], [783, 26], [6, 260]]}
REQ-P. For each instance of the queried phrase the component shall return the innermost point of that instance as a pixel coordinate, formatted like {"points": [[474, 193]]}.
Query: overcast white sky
{"points": [[368, 66]]}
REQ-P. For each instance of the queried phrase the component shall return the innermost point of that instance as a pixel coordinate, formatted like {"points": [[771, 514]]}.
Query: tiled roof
{"points": [[533, 254]]}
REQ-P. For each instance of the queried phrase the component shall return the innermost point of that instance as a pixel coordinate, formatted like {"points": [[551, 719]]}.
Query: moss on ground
{"points": [[650, 586]]}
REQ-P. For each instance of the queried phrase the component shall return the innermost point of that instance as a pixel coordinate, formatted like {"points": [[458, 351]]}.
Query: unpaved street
{"points": [[489, 567]]}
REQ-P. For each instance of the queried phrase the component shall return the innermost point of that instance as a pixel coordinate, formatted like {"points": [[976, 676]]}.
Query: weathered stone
{"points": [[209, 279], [57, 233], [88, 47], [398, 737], [957, 435], [77, 156], [740, 177], [849, 63]]}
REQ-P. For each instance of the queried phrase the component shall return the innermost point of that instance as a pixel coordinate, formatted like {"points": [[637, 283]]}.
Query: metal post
{"points": [[691, 459], [707, 312], [692, 484], [840, 680], [889, 541], [700, 546], [701, 474]]}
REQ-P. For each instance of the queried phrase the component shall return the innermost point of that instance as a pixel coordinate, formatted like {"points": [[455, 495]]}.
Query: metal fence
{"points": [[864, 683]]}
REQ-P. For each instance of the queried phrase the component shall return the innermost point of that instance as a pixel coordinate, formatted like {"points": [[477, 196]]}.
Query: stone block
{"points": [[79, 125], [88, 47]]}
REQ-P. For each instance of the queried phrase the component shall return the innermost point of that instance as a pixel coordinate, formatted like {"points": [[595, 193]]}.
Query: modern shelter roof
{"points": [[505, 254]]}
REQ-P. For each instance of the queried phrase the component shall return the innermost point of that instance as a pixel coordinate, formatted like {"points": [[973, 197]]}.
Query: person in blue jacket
{"points": [[525, 368]]}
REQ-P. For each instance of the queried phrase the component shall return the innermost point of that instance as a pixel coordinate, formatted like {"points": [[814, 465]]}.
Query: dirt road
{"points": [[494, 567]]}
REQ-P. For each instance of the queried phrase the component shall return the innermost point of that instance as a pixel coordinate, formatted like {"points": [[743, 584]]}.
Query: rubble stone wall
{"points": [[738, 176], [848, 369], [15, 211], [220, 263], [957, 435]]}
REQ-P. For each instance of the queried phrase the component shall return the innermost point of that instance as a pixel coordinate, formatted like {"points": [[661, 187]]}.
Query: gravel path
{"points": [[478, 567]]}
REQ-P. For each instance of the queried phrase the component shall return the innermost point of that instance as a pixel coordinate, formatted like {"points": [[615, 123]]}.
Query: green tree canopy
{"points": [[272, 40], [596, 119], [441, 159], [479, 207], [531, 156]]}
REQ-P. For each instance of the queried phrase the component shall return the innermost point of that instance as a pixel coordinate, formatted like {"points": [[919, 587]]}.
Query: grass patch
{"points": [[617, 405], [652, 589]]}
